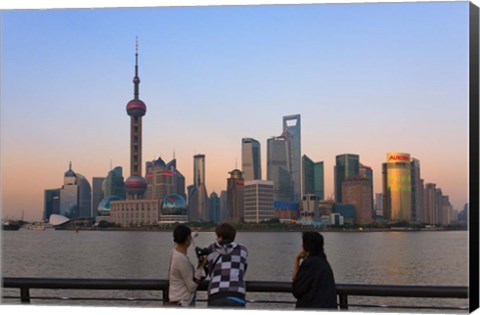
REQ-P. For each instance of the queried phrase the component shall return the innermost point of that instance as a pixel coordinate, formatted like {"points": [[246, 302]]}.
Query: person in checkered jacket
{"points": [[227, 264]]}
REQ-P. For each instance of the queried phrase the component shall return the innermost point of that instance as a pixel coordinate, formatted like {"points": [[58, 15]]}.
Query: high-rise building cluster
{"points": [[293, 189]]}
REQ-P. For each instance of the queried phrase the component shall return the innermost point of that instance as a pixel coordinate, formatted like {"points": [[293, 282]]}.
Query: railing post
{"points": [[25, 295], [165, 295], [343, 301]]}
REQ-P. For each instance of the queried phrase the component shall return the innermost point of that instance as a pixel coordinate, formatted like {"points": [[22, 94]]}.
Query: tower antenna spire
{"points": [[136, 79]]}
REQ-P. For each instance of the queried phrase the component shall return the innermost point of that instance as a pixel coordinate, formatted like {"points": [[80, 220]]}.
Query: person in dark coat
{"points": [[313, 282]]}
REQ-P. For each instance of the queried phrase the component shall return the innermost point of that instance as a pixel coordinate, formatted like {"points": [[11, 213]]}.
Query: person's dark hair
{"points": [[313, 243], [226, 232], [181, 233]]}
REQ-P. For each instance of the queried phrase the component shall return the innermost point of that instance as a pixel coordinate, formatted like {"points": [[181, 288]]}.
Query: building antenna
{"points": [[174, 154], [110, 164]]}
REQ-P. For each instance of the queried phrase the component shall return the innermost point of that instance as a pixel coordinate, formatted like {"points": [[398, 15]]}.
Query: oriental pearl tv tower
{"points": [[136, 185]]}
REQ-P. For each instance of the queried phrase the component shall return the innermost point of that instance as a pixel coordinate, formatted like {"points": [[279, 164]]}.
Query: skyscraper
{"points": [[159, 180], [136, 185], [251, 162], [235, 196], [292, 128], [357, 191], [214, 207], [258, 200], [51, 203], [97, 193], [75, 195], [430, 204], [278, 168], [198, 197], [367, 172], [417, 191], [346, 165], [397, 187], [114, 184], [312, 177]]}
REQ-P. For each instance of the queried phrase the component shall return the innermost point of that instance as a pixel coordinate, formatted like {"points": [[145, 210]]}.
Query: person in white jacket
{"points": [[183, 277]]}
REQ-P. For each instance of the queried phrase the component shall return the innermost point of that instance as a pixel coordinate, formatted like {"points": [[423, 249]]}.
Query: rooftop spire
{"points": [[136, 79]]}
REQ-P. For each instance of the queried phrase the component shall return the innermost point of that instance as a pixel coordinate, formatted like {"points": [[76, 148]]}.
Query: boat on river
{"points": [[10, 226]]}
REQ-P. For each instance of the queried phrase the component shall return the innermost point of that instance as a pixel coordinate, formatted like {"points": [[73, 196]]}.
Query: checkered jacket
{"points": [[228, 264]]}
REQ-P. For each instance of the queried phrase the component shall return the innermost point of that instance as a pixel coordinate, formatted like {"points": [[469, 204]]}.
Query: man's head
{"points": [[225, 232]]}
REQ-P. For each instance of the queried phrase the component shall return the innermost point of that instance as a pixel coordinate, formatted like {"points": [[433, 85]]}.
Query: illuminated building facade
{"points": [[251, 162], [397, 187]]}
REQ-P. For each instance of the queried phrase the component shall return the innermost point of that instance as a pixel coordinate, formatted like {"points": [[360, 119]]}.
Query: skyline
{"points": [[199, 63]]}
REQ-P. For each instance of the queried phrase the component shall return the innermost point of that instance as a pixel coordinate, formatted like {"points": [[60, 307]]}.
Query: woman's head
{"points": [[182, 234], [313, 243]]}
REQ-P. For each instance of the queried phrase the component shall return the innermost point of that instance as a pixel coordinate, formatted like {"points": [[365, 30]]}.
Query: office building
{"points": [[235, 186], [430, 204], [292, 129], [223, 206], [113, 184], [197, 193], [417, 192], [51, 203], [346, 165], [258, 200], [367, 172], [163, 179], [75, 195], [214, 207], [279, 169], [357, 191], [97, 193], [397, 187], [251, 161], [312, 177]]}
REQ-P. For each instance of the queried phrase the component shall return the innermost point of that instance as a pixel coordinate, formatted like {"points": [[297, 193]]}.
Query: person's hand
{"points": [[202, 260], [301, 255]]}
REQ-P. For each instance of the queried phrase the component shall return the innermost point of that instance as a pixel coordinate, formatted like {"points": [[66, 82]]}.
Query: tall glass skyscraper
{"points": [[292, 131], [346, 165], [251, 162], [198, 197], [417, 191], [278, 168], [313, 177], [397, 187], [198, 169]]}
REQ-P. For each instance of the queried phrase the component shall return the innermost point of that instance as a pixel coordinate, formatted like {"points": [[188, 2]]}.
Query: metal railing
{"points": [[344, 291]]}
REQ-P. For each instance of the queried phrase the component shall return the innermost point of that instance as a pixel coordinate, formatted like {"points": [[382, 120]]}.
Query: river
{"points": [[391, 258]]}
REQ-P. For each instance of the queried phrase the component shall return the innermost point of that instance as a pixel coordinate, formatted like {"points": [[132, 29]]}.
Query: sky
{"points": [[367, 79]]}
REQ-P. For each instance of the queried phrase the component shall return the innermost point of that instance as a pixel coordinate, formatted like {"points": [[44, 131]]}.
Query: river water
{"points": [[391, 258]]}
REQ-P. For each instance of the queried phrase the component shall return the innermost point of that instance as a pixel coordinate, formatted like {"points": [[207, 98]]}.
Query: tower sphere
{"points": [[136, 108], [135, 185]]}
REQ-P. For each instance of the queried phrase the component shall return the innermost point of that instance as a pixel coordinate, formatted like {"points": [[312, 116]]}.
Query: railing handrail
{"points": [[343, 290]]}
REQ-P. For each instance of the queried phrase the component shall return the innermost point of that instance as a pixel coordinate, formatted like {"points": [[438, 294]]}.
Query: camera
{"points": [[201, 251]]}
